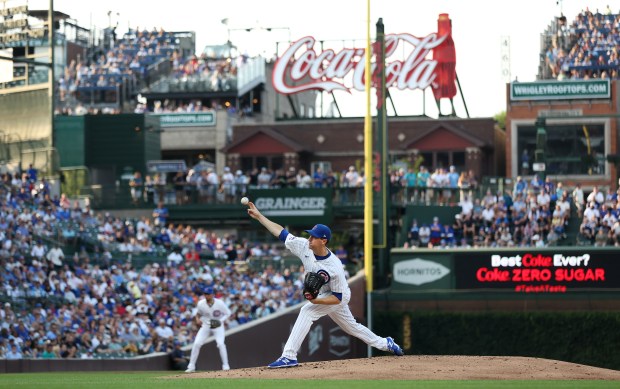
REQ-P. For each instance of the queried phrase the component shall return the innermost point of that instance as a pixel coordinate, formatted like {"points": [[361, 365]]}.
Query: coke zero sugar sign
{"points": [[538, 272], [300, 68]]}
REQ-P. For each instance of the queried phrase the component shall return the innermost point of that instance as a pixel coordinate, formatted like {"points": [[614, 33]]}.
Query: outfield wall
{"points": [[498, 279], [559, 303]]}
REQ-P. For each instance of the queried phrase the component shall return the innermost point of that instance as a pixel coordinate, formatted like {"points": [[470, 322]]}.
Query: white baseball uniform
{"points": [[205, 313], [339, 313]]}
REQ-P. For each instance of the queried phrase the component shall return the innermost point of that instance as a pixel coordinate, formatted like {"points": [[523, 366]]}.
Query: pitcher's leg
{"points": [[201, 337], [308, 314], [345, 320], [221, 345]]}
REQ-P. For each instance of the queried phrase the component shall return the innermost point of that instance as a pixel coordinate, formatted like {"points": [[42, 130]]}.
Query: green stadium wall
{"points": [[590, 338], [111, 142]]}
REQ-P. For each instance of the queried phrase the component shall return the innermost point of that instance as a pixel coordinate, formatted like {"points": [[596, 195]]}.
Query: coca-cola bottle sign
{"points": [[301, 68]]}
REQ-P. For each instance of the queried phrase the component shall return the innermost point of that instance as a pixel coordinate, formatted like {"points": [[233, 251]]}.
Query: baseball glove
{"points": [[313, 283], [214, 323]]}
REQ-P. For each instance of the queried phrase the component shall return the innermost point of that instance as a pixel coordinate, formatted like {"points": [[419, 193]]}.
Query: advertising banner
{"points": [[298, 207], [420, 271], [201, 119], [560, 90], [533, 271]]}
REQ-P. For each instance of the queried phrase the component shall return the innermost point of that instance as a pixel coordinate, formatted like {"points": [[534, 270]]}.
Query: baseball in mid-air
{"points": [[245, 200]]}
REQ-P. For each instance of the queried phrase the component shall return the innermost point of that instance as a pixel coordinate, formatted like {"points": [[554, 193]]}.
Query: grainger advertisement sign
{"points": [[538, 272], [298, 207]]}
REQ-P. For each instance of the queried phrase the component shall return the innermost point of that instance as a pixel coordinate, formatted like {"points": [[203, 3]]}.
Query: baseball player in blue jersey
{"points": [[333, 298]]}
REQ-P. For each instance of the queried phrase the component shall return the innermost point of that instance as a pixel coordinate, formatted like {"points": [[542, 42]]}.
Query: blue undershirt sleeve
{"points": [[283, 235], [338, 295]]}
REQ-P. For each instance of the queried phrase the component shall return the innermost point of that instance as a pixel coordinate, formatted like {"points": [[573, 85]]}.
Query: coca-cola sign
{"points": [[301, 68]]}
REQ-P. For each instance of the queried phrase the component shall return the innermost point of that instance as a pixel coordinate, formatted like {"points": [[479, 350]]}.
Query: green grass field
{"points": [[153, 380]]}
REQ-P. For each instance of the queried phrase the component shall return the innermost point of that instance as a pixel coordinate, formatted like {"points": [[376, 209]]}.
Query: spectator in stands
{"points": [[469, 227], [160, 215], [241, 184], [414, 234], [32, 173], [536, 184], [303, 180], [525, 162], [343, 254], [600, 239], [149, 189], [520, 187], [135, 185], [466, 205], [319, 178], [436, 228], [447, 235], [291, 178], [596, 197], [453, 183], [425, 235], [489, 199], [14, 351], [178, 182], [464, 186], [263, 179]]}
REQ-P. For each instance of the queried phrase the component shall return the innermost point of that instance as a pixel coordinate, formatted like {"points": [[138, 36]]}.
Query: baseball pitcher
{"points": [[325, 288]]}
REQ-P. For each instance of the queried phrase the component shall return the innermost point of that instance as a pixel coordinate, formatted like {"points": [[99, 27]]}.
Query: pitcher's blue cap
{"points": [[208, 290], [320, 231]]}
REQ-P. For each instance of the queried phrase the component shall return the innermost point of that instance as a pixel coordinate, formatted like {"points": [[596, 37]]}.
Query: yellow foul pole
{"points": [[368, 214], [368, 206]]}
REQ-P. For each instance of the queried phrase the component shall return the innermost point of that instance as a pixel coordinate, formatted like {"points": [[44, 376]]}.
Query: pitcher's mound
{"points": [[425, 367]]}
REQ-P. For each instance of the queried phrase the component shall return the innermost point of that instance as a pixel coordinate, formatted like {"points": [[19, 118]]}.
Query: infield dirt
{"points": [[417, 367]]}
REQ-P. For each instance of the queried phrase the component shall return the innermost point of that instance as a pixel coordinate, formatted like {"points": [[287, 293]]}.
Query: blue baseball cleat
{"points": [[394, 348], [283, 362]]}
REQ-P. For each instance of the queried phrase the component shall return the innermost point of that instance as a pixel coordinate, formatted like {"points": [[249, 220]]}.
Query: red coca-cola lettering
{"points": [[485, 275], [530, 260], [300, 68]]}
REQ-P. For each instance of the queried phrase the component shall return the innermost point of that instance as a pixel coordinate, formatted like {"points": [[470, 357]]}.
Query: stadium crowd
{"points": [[586, 48], [96, 303], [533, 213]]}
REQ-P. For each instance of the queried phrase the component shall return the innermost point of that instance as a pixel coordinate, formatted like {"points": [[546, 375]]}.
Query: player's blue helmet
{"points": [[208, 290], [320, 231]]}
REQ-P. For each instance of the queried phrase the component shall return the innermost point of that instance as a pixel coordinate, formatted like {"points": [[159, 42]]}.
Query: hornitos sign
{"points": [[299, 206], [419, 271], [411, 63], [560, 90]]}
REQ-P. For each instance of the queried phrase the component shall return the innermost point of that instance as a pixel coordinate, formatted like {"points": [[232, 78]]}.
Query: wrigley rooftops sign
{"points": [[295, 206], [560, 90]]}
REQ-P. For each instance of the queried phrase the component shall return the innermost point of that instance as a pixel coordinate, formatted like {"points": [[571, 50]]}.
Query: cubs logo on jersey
{"points": [[324, 274]]}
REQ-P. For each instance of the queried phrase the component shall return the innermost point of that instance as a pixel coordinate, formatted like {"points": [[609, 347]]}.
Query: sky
{"points": [[478, 28]]}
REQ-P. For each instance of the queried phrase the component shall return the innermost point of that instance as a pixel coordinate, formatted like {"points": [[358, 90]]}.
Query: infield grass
{"points": [[154, 380]]}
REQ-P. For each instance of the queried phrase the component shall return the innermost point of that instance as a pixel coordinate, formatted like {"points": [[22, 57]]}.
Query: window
{"points": [[325, 166], [577, 149], [273, 163]]}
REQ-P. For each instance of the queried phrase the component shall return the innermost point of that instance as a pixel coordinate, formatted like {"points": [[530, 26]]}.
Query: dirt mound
{"points": [[428, 367]]}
